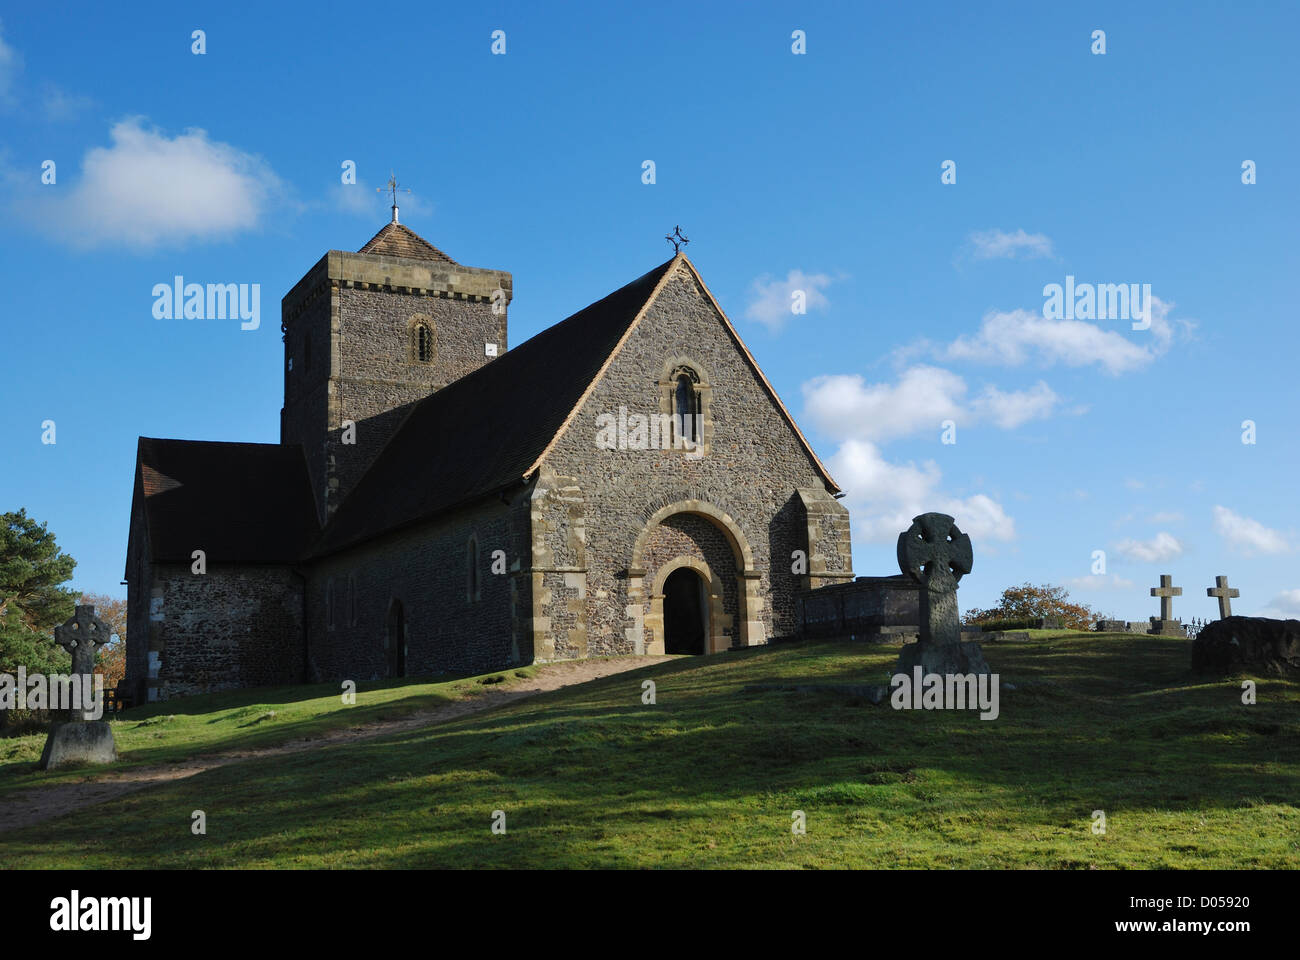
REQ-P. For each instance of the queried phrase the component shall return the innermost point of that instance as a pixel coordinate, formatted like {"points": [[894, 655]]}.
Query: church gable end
{"points": [[682, 444]]}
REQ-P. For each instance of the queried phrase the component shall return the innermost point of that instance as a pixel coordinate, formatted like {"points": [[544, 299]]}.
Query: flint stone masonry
{"points": [[226, 629], [756, 488]]}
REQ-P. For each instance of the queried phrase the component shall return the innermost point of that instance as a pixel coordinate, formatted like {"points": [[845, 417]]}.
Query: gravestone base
{"points": [[78, 742], [1166, 628], [948, 659]]}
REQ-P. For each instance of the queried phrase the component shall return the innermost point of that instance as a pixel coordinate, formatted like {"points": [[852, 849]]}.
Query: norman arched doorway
{"points": [[686, 612], [395, 640], [695, 534]]}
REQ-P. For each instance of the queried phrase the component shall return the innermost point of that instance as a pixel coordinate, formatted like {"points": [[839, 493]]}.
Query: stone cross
{"points": [[1225, 595], [82, 635], [934, 553], [1166, 592]]}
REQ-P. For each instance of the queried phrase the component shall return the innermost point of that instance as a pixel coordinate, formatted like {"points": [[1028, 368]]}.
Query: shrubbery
{"points": [[1021, 606]]}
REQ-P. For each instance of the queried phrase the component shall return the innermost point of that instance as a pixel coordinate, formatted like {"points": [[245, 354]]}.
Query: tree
{"points": [[1028, 602], [111, 661], [32, 602]]}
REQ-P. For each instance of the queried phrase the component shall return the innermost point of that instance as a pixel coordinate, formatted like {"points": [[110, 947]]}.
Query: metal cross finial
{"points": [[392, 186], [677, 240]]}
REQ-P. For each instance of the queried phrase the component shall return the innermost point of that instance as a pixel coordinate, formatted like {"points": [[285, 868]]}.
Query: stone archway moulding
{"points": [[647, 629]]}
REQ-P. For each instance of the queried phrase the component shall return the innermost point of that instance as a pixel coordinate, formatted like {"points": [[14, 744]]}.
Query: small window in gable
{"points": [[686, 408], [685, 404]]}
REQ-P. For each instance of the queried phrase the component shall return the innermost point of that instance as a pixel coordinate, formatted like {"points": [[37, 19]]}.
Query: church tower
{"points": [[368, 334]]}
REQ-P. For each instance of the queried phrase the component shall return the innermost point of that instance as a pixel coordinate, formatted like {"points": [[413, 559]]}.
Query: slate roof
{"points": [[238, 502], [395, 240], [486, 431]]}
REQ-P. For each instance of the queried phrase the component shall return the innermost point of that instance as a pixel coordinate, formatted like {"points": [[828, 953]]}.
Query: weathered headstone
{"points": [[80, 740], [1166, 625], [934, 553], [1225, 595]]}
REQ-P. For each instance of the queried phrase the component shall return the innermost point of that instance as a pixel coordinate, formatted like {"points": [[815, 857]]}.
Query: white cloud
{"points": [[883, 497], [1111, 581], [146, 189], [846, 406], [61, 105], [1165, 517], [11, 64], [1016, 337], [998, 245], [772, 300], [1286, 605], [1163, 546], [1247, 535]]}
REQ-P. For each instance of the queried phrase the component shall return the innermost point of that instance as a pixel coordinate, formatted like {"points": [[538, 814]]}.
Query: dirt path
{"points": [[34, 806]]}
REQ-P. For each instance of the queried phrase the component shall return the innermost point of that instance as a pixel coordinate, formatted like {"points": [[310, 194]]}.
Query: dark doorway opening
{"points": [[396, 641], [686, 608]]}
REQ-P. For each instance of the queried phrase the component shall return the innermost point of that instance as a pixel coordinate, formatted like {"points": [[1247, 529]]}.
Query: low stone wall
{"points": [[877, 608]]}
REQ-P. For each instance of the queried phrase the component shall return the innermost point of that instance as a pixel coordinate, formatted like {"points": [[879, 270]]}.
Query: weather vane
{"points": [[392, 187], [677, 239]]}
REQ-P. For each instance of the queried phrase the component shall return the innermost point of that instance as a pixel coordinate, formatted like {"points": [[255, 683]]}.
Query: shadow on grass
{"points": [[592, 776]]}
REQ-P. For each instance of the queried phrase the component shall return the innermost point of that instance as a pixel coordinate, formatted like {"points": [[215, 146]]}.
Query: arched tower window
{"points": [[306, 354], [423, 343]]}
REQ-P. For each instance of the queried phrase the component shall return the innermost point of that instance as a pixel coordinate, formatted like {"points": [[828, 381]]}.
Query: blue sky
{"points": [[818, 172]]}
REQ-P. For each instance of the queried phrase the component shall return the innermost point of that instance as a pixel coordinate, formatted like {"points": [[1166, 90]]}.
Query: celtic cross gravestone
{"points": [[934, 553], [79, 740]]}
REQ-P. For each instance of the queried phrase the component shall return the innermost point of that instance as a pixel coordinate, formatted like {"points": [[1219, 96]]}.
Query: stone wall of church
{"points": [[424, 568], [306, 385], [378, 375], [237, 626], [753, 471]]}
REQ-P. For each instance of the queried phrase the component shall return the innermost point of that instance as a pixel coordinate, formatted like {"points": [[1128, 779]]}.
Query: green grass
{"points": [[244, 719], [1187, 775]]}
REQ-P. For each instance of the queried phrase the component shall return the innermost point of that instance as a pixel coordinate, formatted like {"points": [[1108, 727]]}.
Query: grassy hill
{"points": [[709, 776]]}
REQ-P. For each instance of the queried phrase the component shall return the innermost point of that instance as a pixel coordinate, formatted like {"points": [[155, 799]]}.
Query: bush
{"points": [[1020, 608]]}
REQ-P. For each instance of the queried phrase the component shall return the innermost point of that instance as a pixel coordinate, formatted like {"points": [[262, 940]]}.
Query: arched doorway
{"points": [[734, 605], [686, 612], [395, 641]]}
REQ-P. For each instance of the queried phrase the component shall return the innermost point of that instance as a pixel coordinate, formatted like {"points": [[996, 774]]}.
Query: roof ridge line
{"points": [[821, 467], [636, 320]]}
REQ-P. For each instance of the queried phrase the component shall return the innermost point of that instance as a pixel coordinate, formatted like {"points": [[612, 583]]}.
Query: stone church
{"points": [[625, 482]]}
